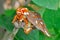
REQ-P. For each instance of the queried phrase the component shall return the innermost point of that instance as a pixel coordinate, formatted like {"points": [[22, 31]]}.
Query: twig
{"points": [[10, 36]]}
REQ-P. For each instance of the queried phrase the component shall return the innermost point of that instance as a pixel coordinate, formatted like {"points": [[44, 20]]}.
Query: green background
{"points": [[50, 12]]}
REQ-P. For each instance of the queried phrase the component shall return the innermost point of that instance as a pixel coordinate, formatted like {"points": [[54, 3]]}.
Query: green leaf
{"points": [[9, 12], [34, 35], [59, 3], [57, 37], [6, 19], [41, 11], [50, 4], [6, 22], [51, 18]]}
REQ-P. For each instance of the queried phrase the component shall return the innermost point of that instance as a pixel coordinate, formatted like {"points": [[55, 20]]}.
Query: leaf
{"points": [[34, 35], [57, 37], [51, 18], [9, 12], [50, 4], [6, 19], [41, 11], [59, 3], [6, 22]]}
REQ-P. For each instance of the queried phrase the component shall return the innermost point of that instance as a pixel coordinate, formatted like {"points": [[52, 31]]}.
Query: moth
{"points": [[30, 20]]}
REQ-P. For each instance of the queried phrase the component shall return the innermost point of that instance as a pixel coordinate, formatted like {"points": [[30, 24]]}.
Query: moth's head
{"points": [[25, 11]]}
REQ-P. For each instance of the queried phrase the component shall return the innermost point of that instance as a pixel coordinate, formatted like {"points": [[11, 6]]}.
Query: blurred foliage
{"points": [[50, 13], [50, 4]]}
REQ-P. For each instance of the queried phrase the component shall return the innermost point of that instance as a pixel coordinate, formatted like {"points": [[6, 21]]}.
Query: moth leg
{"points": [[28, 29], [26, 22], [15, 18]]}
